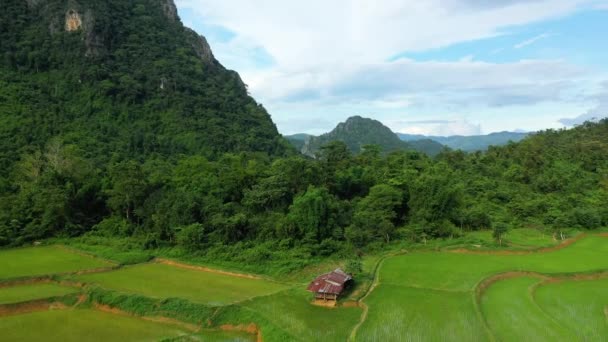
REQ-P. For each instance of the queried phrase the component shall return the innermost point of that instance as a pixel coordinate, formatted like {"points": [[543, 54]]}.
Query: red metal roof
{"points": [[330, 283]]}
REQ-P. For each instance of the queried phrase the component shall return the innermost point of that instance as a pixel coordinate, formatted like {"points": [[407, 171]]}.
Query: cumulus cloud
{"points": [[492, 84], [335, 56]]}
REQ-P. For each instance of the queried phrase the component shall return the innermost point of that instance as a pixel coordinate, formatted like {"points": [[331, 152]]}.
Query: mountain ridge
{"points": [[358, 131], [470, 143]]}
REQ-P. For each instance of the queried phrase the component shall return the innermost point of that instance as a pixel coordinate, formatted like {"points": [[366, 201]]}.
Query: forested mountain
{"points": [[118, 80], [469, 143], [356, 132], [118, 123]]}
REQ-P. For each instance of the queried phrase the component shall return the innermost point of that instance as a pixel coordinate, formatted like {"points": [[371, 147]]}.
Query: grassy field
{"points": [[580, 306], [413, 287], [399, 313], [164, 281], [88, 325], [38, 261], [291, 311], [26, 293], [420, 296], [512, 314], [516, 238], [454, 271]]}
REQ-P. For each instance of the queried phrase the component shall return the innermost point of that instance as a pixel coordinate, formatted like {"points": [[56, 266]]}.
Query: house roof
{"points": [[330, 283]]}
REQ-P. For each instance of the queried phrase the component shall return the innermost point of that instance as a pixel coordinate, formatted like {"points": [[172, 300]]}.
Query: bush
{"points": [[191, 237]]}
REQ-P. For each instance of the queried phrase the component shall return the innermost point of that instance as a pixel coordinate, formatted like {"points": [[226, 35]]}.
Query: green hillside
{"points": [[356, 132], [119, 79]]}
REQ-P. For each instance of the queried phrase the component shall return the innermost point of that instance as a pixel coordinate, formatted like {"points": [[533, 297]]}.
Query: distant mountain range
{"points": [[357, 132], [469, 143]]}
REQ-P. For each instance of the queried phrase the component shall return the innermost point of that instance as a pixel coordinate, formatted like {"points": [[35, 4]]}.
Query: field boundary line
{"points": [[84, 253], [192, 267], [564, 244], [532, 294], [370, 289], [35, 305], [482, 286], [157, 319], [35, 279]]}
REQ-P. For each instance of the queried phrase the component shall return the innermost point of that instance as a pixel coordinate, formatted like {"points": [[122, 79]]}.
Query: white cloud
{"points": [[531, 40], [441, 127], [486, 83], [332, 59]]}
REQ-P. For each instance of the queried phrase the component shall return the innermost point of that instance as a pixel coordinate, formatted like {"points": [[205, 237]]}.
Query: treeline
{"points": [[552, 180]]}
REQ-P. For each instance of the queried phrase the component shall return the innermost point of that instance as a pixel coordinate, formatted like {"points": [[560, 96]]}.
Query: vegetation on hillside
{"points": [[256, 209], [129, 128], [357, 132]]}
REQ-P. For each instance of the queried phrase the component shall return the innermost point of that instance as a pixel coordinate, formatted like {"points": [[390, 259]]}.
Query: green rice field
{"points": [[558, 295], [164, 281], [17, 294], [88, 325], [431, 296], [47, 260]]}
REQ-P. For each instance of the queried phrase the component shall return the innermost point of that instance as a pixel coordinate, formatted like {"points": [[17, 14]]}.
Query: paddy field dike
{"points": [[545, 291]]}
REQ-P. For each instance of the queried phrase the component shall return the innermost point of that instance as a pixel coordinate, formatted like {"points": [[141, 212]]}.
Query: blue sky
{"points": [[438, 67]]}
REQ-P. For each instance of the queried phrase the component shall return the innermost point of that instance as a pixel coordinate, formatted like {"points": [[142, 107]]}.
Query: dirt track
{"points": [[205, 269]]}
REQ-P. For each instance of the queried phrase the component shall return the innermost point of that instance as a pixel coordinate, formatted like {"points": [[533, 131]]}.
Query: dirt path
{"points": [[207, 269], [156, 319], [562, 245]]}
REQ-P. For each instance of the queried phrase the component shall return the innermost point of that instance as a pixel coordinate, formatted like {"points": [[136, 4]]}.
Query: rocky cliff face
{"points": [[129, 68], [80, 16]]}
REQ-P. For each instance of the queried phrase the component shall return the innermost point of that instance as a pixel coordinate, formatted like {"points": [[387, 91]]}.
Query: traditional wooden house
{"points": [[330, 286]]}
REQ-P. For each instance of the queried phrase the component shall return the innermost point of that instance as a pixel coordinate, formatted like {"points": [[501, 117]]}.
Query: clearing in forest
{"points": [[165, 281], [47, 260]]}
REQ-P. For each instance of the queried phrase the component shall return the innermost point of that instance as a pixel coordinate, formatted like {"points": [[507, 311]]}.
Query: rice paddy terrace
{"points": [[552, 294]]}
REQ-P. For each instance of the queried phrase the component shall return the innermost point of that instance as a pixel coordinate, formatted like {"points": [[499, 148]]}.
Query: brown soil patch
{"points": [[350, 304], [205, 269], [325, 303], [562, 245], [247, 328], [156, 319], [28, 307]]}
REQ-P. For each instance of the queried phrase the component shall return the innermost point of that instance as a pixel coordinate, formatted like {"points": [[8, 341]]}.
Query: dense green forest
{"points": [[554, 180], [129, 128]]}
